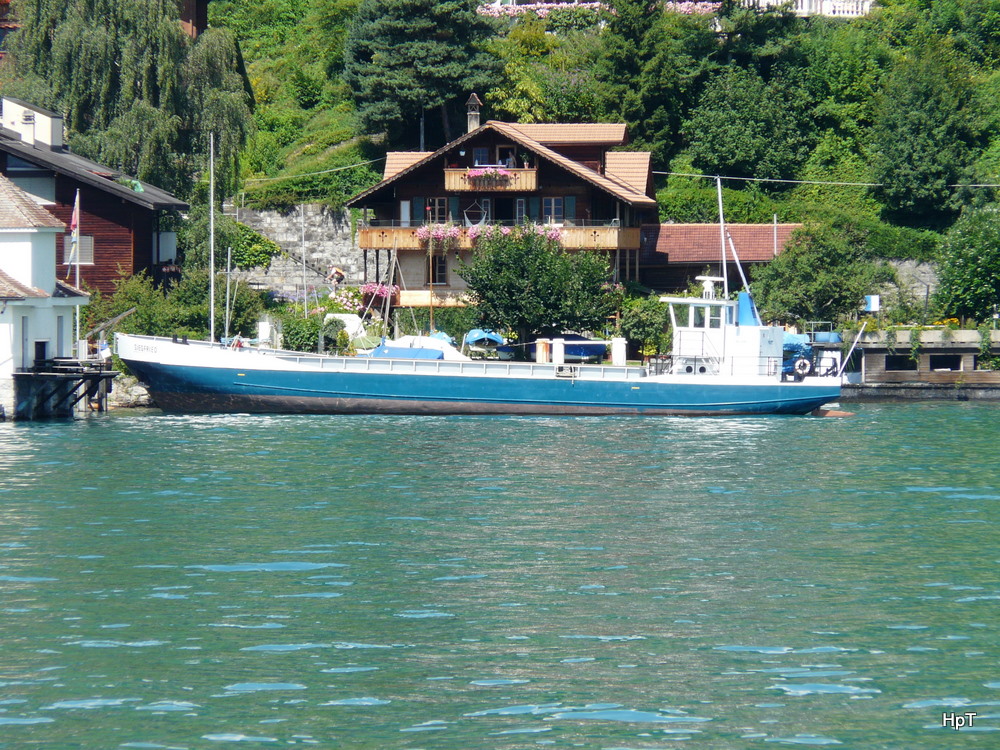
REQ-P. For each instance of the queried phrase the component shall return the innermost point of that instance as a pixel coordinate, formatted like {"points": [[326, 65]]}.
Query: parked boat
{"points": [[721, 364]]}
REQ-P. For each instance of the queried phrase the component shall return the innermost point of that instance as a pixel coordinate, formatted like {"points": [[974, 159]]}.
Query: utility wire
{"points": [[311, 174], [811, 182]]}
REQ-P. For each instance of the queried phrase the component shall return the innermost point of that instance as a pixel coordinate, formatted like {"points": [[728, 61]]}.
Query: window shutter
{"points": [[534, 208], [418, 210], [453, 208], [569, 209]]}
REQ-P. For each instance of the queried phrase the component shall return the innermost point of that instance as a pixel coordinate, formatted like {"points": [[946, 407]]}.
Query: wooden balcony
{"points": [[400, 238], [520, 180], [572, 238], [600, 238]]}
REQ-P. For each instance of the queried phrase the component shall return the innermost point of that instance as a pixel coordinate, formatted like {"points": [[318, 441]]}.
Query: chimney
{"points": [[472, 112]]}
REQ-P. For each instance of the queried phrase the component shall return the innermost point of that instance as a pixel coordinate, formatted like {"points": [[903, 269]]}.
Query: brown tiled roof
{"points": [[10, 288], [699, 243], [566, 134], [611, 184], [397, 161], [629, 167], [19, 211]]}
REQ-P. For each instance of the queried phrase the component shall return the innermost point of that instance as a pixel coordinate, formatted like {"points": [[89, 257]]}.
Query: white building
{"points": [[37, 310], [833, 8]]}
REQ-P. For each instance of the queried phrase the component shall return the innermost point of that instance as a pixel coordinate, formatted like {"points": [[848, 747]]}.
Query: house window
{"points": [[899, 363], [480, 156], [86, 250], [439, 269], [520, 210], [437, 210], [505, 156], [951, 362], [552, 210]]}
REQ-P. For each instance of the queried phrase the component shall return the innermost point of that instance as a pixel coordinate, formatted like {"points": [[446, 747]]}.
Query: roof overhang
{"points": [[616, 188], [93, 174]]}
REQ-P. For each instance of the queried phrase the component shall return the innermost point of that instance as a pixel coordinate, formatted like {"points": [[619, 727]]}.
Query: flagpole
{"points": [[211, 237], [74, 242]]}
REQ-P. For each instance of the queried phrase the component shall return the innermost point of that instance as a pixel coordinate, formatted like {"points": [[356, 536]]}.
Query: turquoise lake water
{"points": [[415, 582]]}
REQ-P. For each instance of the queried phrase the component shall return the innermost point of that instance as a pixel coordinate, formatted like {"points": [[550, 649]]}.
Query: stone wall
{"points": [[323, 234]]}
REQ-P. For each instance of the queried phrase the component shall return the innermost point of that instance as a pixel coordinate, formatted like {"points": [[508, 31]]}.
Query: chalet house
{"points": [[673, 254], [121, 219], [567, 177], [37, 308]]}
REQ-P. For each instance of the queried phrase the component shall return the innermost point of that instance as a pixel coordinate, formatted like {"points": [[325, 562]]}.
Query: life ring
{"points": [[802, 367]]}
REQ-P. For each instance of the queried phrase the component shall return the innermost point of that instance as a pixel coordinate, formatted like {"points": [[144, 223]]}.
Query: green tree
{"points": [[823, 275], [644, 323], [924, 136], [524, 281], [133, 88], [404, 57], [744, 127], [969, 265]]}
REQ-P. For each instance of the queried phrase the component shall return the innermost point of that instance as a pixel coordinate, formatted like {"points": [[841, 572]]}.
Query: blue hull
{"points": [[186, 389]]}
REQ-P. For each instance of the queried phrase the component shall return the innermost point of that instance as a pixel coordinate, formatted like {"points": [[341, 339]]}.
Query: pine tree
{"points": [[405, 57]]}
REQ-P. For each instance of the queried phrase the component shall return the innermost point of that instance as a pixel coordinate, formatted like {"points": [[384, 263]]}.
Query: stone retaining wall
{"points": [[324, 235]]}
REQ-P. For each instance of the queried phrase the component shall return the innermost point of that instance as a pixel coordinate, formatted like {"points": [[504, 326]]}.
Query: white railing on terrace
{"points": [[833, 8]]}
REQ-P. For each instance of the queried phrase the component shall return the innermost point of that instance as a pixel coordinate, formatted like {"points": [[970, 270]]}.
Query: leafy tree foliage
{"points": [[182, 309], [744, 127], [969, 269], [823, 275], [133, 88], [404, 57], [923, 137], [644, 322], [250, 249], [525, 282]]}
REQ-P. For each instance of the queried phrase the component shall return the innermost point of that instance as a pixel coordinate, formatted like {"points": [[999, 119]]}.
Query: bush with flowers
{"points": [[439, 237]]}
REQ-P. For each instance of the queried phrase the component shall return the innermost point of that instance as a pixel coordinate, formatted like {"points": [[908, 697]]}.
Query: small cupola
{"points": [[472, 112]]}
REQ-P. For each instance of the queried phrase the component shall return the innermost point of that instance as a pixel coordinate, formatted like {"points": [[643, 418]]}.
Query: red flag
{"points": [[74, 240], [74, 223]]}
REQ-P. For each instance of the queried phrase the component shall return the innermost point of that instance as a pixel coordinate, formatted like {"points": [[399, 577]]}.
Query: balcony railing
{"points": [[491, 179], [581, 235]]}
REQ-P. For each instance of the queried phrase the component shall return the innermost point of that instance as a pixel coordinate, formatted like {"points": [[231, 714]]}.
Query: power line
{"points": [[311, 174], [813, 182]]}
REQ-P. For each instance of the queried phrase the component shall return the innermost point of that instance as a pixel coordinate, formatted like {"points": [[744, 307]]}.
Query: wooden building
{"points": [[673, 254], [122, 227], [565, 176]]}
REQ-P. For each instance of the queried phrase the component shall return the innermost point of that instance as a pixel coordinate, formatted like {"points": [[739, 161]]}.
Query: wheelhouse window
{"points": [[552, 210]]}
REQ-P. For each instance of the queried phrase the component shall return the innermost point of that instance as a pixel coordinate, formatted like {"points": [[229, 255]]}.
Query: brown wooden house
{"points": [[121, 219], [500, 173]]}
